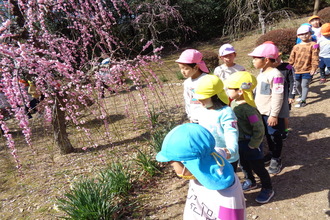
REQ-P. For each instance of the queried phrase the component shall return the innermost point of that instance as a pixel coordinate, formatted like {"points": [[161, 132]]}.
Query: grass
{"points": [[104, 197]]}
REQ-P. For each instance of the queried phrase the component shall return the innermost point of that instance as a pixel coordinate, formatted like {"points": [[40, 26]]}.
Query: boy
{"points": [[214, 190], [193, 68], [227, 54], [288, 97], [324, 43], [251, 133], [269, 100], [305, 59]]}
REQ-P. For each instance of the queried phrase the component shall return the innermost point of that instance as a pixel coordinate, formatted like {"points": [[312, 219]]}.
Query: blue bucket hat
{"points": [[193, 146]]}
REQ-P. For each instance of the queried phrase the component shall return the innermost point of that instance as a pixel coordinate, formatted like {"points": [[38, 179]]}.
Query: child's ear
{"points": [[267, 60], [240, 92]]}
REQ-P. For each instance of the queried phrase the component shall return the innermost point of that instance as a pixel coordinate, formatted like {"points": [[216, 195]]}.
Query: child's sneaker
{"points": [[300, 104], [275, 166], [267, 158], [265, 195], [298, 99], [248, 185], [285, 135], [322, 81]]}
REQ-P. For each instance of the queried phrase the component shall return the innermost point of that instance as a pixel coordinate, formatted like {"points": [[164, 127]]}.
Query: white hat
{"points": [[226, 49], [303, 29]]}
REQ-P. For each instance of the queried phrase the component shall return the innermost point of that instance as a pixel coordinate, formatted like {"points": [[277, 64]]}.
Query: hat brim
{"points": [[181, 61], [226, 53], [210, 174], [253, 54], [162, 158], [202, 66], [200, 96], [313, 17]]}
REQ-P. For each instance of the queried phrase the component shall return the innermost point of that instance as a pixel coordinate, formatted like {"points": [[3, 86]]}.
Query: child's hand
{"points": [[313, 72], [291, 101], [223, 152], [272, 121]]}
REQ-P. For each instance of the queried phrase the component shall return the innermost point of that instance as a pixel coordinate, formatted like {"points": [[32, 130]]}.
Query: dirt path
{"points": [[302, 188]]}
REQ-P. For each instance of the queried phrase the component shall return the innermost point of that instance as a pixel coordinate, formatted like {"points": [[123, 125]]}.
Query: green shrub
{"points": [[147, 163], [154, 116], [211, 59], [324, 15], [118, 177], [158, 135], [284, 39], [101, 198]]}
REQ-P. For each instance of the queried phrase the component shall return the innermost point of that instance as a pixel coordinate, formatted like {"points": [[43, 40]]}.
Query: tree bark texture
{"points": [[59, 127], [261, 18], [316, 7]]}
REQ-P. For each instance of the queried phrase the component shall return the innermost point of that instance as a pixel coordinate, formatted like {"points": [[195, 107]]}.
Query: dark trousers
{"points": [[324, 62], [251, 161], [274, 136], [235, 165]]}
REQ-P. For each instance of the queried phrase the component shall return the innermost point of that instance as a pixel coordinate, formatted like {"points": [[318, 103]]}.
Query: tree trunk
{"points": [[316, 6], [261, 18], [59, 128]]}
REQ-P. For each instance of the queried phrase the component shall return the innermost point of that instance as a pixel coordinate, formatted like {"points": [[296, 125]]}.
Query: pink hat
{"points": [[303, 29], [267, 49], [191, 56], [226, 49]]}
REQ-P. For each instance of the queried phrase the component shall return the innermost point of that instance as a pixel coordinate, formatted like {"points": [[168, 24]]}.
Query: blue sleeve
{"points": [[228, 123]]}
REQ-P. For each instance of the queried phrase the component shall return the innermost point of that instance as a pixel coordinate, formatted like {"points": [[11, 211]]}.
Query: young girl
{"points": [[269, 100], [305, 59], [193, 68], [227, 55], [218, 117], [214, 189]]}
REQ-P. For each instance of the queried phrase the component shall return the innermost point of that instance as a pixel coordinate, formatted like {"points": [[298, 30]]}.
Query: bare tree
{"points": [[251, 14], [316, 6]]}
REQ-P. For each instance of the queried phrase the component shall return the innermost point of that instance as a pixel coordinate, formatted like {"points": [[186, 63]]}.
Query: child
{"points": [[269, 100], [193, 68], [288, 98], [304, 58], [315, 21], [214, 190], [251, 133], [218, 117], [324, 43], [313, 37], [227, 54]]}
